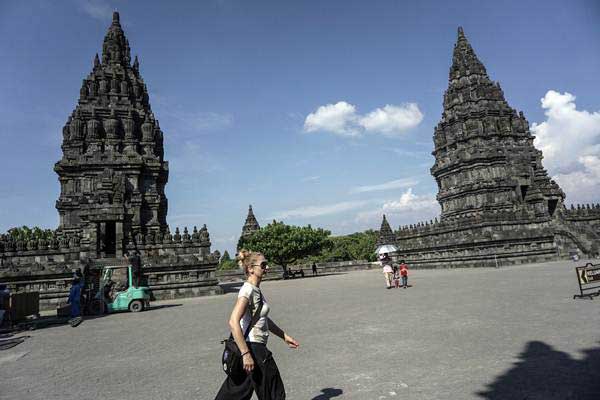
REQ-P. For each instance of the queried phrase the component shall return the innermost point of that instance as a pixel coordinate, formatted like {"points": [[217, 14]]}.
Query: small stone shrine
{"points": [[112, 193], [498, 205]]}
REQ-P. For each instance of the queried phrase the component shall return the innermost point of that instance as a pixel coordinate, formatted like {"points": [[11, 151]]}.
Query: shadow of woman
{"points": [[545, 373], [328, 393]]}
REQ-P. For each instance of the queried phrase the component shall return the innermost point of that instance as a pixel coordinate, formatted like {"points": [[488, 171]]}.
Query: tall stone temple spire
{"points": [[386, 235], [251, 224], [485, 161], [112, 172]]}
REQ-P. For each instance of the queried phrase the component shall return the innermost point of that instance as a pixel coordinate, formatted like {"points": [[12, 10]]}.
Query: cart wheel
{"points": [[136, 306]]}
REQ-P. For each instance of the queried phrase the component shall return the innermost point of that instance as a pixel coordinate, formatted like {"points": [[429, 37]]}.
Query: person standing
{"points": [[314, 269], [388, 272], [75, 301], [404, 274], [260, 373]]}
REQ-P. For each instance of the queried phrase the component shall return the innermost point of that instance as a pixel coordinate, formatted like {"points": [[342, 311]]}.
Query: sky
{"points": [[315, 112]]}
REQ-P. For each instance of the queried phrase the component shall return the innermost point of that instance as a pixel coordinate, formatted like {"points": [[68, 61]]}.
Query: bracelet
{"points": [[244, 353]]}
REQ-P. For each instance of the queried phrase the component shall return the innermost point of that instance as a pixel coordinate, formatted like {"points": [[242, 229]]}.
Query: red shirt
{"points": [[403, 270]]}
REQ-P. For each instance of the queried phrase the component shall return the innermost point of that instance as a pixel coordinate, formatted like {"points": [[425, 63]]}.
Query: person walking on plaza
{"points": [[388, 272], [404, 274], [314, 268], [260, 373]]}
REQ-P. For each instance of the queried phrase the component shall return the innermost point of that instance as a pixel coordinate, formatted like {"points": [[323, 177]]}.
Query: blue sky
{"points": [[234, 85]]}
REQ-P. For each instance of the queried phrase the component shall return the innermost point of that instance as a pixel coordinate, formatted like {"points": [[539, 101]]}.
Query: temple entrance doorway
{"points": [[107, 239]]}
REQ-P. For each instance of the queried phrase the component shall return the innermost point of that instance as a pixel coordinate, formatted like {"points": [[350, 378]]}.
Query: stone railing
{"points": [[179, 265], [182, 242], [582, 212], [57, 249], [435, 227]]}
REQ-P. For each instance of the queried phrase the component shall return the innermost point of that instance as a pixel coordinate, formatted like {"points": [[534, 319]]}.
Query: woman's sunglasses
{"points": [[262, 265]]}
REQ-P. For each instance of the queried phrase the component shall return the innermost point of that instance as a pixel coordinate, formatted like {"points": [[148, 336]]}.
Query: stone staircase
{"points": [[585, 238]]}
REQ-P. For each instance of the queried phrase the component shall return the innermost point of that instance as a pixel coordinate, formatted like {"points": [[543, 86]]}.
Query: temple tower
{"points": [[485, 161], [251, 224], [112, 173], [386, 235]]}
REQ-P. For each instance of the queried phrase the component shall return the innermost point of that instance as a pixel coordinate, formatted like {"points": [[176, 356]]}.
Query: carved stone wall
{"points": [[177, 265]]}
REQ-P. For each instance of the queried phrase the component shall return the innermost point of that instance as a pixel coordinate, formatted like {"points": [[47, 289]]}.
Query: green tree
{"points": [[356, 246], [226, 262], [285, 244], [25, 233]]}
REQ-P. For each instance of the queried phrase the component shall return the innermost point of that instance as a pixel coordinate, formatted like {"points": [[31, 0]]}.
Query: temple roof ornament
{"points": [[115, 49]]}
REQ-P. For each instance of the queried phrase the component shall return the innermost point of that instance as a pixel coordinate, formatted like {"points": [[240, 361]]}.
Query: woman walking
{"points": [[260, 372], [388, 272]]}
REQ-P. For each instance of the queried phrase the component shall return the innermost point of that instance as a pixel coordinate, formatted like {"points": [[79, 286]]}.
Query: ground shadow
{"points": [[53, 321], [547, 374], [328, 393], [158, 307], [9, 343]]}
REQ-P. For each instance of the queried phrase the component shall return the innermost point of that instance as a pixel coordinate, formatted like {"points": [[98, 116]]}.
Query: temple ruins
{"points": [[112, 199], [498, 205]]}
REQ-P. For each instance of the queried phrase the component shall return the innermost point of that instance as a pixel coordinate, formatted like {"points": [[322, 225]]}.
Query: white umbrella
{"points": [[386, 248]]}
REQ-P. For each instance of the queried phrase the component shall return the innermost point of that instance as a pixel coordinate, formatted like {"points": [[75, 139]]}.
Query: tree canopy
{"points": [[26, 233], [356, 246], [285, 244], [226, 262]]}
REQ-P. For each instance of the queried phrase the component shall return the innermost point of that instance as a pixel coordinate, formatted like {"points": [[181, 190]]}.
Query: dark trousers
{"points": [[264, 379], [404, 280]]}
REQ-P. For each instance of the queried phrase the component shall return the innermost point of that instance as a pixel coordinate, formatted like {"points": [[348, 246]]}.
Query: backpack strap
{"points": [[255, 316]]}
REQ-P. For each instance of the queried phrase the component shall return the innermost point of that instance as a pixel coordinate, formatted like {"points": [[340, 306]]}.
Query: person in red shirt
{"points": [[404, 274]]}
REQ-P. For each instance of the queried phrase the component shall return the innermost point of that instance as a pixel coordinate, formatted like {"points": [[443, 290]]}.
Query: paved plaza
{"points": [[507, 333]]}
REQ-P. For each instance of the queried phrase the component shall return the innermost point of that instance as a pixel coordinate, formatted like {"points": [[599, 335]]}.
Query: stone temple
{"points": [[497, 202], [112, 193], [250, 226], [113, 173]]}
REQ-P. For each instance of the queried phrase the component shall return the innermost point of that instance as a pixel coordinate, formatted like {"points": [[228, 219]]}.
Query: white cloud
{"points": [[317, 211], [339, 118], [410, 202], [397, 184], [342, 119], [409, 208], [97, 9], [310, 178], [570, 142], [392, 120]]}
